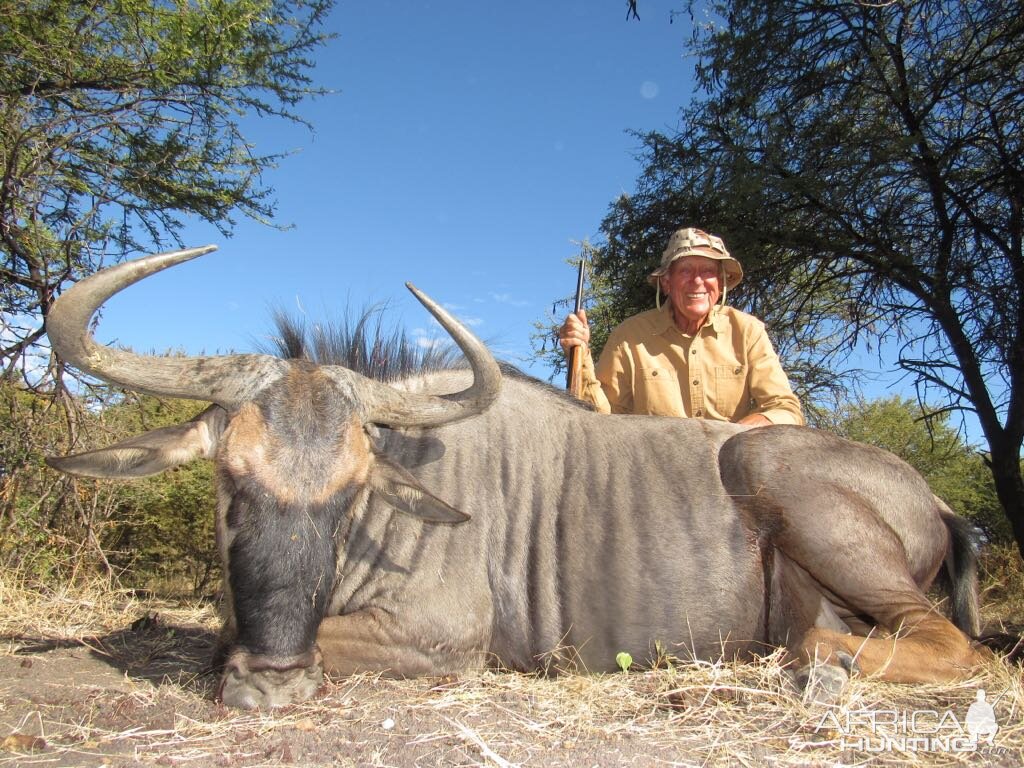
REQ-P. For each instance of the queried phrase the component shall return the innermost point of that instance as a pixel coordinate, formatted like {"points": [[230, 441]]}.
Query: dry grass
{"points": [[1002, 588], [70, 611], [79, 686]]}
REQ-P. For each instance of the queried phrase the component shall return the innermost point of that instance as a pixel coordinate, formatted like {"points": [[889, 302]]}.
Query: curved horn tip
{"points": [[201, 250], [161, 261], [157, 262], [421, 297]]}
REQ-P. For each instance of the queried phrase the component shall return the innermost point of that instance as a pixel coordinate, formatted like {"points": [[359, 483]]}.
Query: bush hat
{"points": [[696, 242]]}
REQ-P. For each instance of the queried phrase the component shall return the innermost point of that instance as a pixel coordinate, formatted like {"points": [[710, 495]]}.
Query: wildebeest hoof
{"points": [[848, 662], [824, 683], [269, 688]]}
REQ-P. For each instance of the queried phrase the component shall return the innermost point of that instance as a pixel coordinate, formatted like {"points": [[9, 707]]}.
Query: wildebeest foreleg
{"points": [[374, 641]]}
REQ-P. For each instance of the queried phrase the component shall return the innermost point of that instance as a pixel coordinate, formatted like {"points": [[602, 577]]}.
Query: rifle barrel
{"points": [[573, 369]]}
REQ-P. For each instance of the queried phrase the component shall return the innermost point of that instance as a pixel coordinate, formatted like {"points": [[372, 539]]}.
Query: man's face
{"points": [[692, 283]]}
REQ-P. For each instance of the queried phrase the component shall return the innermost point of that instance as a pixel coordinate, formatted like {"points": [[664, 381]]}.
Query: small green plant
{"points": [[624, 660]]}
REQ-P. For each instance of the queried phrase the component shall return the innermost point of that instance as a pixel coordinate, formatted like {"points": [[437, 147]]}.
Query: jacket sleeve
{"points": [[614, 374], [608, 385], [769, 386], [591, 390]]}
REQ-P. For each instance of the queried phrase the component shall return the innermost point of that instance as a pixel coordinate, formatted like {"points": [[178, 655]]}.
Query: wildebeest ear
{"points": [[152, 452], [403, 492]]}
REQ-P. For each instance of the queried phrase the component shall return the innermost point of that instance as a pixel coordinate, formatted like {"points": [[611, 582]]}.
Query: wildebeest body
{"points": [[450, 521], [587, 534]]}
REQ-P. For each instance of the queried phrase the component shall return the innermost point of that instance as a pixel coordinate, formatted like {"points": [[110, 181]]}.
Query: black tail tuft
{"points": [[962, 570]]}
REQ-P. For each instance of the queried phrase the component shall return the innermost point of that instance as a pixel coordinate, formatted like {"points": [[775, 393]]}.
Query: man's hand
{"points": [[575, 332], [755, 420]]}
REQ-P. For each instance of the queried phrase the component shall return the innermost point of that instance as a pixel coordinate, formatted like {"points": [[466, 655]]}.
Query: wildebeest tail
{"points": [[962, 571]]}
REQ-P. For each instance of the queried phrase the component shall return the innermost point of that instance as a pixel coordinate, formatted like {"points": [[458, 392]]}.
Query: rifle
{"points": [[574, 371]]}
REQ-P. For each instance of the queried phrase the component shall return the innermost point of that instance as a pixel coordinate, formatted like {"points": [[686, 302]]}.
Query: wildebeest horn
{"points": [[224, 379], [386, 405], [229, 380]]}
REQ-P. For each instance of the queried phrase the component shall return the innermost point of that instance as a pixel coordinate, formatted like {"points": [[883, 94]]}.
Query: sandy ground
{"points": [[141, 694]]}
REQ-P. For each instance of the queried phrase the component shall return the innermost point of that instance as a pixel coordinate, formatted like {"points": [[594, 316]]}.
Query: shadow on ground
{"points": [[151, 650]]}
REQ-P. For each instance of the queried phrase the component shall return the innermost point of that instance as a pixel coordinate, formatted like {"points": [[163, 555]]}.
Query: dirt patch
{"points": [[139, 693]]}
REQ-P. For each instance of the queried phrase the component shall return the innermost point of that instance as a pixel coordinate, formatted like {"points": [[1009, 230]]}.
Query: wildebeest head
{"points": [[292, 454]]}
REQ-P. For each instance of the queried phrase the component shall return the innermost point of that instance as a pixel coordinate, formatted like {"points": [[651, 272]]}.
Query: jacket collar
{"points": [[663, 321]]}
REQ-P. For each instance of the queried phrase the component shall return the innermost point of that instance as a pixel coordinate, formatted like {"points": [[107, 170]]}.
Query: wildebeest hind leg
{"points": [[797, 606], [849, 514], [930, 650], [846, 547]]}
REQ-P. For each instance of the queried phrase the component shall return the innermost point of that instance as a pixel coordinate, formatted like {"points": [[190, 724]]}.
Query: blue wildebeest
{"points": [[463, 518]]}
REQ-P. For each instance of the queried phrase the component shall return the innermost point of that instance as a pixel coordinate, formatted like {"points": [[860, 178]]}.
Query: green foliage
{"points": [[119, 116], [624, 660], [956, 473], [161, 528], [158, 529], [30, 498], [1001, 578]]}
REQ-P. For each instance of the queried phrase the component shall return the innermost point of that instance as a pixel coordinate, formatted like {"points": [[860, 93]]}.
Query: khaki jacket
{"points": [[726, 371]]}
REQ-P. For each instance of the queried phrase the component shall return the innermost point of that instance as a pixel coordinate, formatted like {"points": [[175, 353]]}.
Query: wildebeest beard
{"points": [[282, 567]]}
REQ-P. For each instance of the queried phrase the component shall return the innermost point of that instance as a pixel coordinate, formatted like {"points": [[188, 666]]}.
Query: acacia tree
{"points": [[118, 118], [865, 162]]}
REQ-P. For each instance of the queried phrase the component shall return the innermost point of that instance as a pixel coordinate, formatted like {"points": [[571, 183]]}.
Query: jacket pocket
{"points": [[658, 393], [730, 390]]}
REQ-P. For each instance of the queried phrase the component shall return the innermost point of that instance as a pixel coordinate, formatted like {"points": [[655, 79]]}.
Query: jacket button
{"points": [[654, 373]]}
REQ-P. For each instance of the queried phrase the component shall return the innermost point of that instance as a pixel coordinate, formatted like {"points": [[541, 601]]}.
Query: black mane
{"points": [[362, 344], [365, 346]]}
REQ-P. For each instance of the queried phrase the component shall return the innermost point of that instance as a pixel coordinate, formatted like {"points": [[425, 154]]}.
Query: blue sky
{"points": [[468, 148]]}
